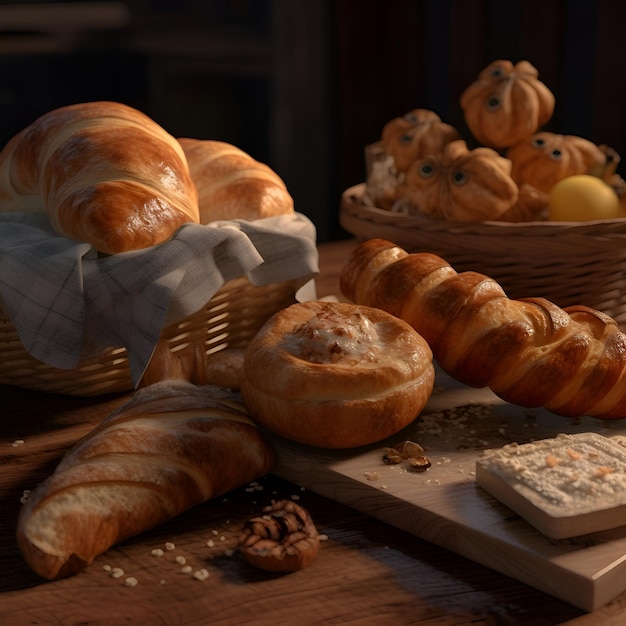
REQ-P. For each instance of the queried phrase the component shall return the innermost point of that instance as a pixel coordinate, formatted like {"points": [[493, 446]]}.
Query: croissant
{"points": [[104, 173], [530, 352], [231, 184], [171, 447]]}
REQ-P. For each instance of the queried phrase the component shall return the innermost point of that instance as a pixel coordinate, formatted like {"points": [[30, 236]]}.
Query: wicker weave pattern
{"points": [[230, 319], [567, 263]]}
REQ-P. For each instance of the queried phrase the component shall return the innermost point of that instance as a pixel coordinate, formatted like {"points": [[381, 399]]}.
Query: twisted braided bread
{"points": [[530, 352]]}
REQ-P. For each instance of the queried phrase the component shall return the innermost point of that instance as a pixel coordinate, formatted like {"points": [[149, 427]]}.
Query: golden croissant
{"points": [[104, 173]]}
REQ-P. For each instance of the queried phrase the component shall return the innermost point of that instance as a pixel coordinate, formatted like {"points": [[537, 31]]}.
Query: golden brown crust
{"points": [[283, 539], [104, 172], [233, 185], [170, 448], [546, 158], [530, 352], [336, 375], [506, 103], [459, 185], [416, 134]]}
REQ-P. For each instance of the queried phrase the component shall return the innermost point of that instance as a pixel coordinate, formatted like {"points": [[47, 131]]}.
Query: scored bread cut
{"points": [[565, 486]]}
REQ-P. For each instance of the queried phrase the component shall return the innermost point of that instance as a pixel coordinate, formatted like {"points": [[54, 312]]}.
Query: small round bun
{"points": [[336, 375]]}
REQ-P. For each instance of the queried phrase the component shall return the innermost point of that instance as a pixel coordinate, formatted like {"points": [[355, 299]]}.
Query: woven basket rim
{"points": [[351, 201]]}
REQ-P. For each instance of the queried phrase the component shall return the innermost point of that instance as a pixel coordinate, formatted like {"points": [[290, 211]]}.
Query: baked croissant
{"points": [[231, 184], [104, 173], [171, 447], [530, 352]]}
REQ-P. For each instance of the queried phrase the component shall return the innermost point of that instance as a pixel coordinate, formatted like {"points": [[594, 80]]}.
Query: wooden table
{"points": [[366, 573]]}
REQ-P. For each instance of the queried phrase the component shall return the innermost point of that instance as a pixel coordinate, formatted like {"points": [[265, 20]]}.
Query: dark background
{"points": [[305, 85]]}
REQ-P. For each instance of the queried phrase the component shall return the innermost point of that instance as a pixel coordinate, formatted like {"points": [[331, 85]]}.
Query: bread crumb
{"points": [[201, 574]]}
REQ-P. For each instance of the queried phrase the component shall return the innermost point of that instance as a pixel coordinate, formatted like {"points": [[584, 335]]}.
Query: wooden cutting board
{"points": [[444, 504]]}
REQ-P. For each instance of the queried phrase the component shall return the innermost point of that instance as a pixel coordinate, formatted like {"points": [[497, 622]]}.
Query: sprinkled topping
{"points": [[576, 470], [330, 338]]}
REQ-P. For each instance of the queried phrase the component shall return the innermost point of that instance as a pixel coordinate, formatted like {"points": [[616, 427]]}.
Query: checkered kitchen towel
{"points": [[68, 304]]}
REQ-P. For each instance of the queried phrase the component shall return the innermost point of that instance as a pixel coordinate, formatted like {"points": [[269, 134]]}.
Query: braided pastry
{"points": [[530, 352]]}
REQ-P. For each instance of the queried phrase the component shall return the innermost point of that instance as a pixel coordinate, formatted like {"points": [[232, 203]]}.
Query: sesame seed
{"points": [[170, 546], [186, 569], [117, 572], [157, 552], [181, 559], [131, 581]]}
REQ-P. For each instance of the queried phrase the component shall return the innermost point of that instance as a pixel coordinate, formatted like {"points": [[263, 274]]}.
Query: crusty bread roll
{"points": [[530, 352], [171, 447], [231, 184], [104, 173], [336, 375]]}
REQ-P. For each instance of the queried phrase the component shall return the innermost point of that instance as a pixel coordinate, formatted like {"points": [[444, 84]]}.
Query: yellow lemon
{"points": [[582, 198]]}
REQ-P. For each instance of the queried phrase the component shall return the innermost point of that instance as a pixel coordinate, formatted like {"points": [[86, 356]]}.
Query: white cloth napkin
{"points": [[68, 304]]}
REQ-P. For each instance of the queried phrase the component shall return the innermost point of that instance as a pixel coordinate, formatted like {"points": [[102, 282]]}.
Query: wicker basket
{"points": [[229, 320], [567, 263]]}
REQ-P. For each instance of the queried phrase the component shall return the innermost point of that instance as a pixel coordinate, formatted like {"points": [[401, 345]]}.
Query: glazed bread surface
{"points": [[530, 352], [103, 172], [336, 375], [233, 185]]}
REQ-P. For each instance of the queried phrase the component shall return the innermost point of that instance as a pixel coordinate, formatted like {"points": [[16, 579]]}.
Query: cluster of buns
{"points": [[106, 174], [328, 374], [423, 166]]}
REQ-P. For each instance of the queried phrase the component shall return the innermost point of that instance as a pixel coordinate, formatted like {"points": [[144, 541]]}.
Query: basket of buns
{"points": [[175, 248], [541, 212]]}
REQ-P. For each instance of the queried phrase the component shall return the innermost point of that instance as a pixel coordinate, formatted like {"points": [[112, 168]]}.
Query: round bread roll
{"points": [[336, 375]]}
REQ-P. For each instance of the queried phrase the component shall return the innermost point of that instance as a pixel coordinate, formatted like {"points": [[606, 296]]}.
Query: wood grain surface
{"points": [[367, 571]]}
